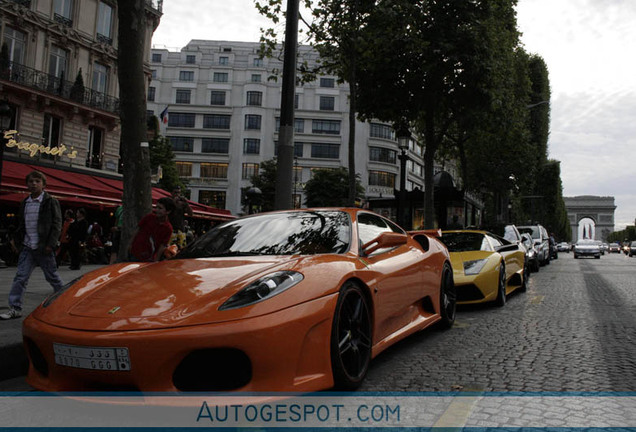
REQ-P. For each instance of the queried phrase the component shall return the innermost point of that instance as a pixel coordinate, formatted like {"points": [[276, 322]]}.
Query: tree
{"points": [[334, 32], [329, 188], [137, 199], [438, 62], [265, 180]]}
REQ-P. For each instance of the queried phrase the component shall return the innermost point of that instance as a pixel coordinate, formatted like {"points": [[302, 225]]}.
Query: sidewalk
{"points": [[13, 361]]}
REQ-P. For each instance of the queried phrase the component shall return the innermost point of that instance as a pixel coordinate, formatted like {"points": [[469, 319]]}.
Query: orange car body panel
{"points": [[162, 311]]}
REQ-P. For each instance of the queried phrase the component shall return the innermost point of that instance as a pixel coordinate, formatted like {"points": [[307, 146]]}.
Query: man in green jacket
{"points": [[38, 233]]}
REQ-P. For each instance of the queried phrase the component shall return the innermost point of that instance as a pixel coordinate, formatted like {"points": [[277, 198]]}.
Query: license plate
{"points": [[96, 358]]}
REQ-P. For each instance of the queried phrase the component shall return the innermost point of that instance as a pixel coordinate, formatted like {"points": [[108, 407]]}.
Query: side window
{"points": [[495, 242], [370, 226]]}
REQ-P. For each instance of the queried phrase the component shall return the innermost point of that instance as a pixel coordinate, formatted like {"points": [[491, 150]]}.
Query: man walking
{"points": [[40, 223]]}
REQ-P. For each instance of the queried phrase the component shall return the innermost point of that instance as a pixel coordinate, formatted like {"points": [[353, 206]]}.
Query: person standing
{"points": [[40, 224], [177, 217], [64, 249], [153, 233], [77, 234], [115, 233]]}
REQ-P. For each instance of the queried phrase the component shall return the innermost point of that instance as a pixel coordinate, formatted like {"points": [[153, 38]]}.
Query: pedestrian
{"points": [[177, 217], [77, 234], [37, 237], [69, 218], [153, 233], [116, 232]]}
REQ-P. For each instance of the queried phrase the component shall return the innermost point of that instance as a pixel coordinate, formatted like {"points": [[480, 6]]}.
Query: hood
{"points": [[458, 259], [135, 296]]}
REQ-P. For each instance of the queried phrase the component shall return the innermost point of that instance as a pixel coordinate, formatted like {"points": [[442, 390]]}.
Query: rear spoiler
{"points": [[437, 233]]}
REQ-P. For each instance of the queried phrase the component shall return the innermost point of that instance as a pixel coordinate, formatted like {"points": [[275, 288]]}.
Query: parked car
{"points": [[531, 252], [587, 247], [541, 241], [614, 248], [512, 234], [564, 247], [486, 267], [632, 249], [284, 301]]}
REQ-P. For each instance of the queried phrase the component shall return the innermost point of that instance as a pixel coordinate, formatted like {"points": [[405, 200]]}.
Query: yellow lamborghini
{"points": [[486, 267]]}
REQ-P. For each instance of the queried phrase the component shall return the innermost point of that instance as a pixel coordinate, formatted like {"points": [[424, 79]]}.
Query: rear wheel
{"points": [[500, 301], [351, 337], [447, 298]]}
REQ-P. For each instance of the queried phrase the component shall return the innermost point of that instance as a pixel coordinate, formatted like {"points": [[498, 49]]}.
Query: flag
{"points": [[164, 116]]}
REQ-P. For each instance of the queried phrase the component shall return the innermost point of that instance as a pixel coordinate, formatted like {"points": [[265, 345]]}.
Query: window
{"points": [[184, 169], [258, 62], [51, 133], [156, 58], [224, 61], [298, 149], [251, 146], [379, 154], [151, 94], [100, 77], [217, 97], [212, 198], [104, 22], [254, 98], [325, 151], [181, 144], [371, 226], [94, 155], [327, 82], [183, 96], [252, 122], [186, 75], [220, 77], [216, 121], [296, 100], [16, 42], [249, 170], [181, 120], [57, 62], [215, 145], [191, 59], [63, 12], [331, 127], [256, 78], [381, 178], [382, 131], [153, 73], [327, 103], [299, 125], [214, 170]]}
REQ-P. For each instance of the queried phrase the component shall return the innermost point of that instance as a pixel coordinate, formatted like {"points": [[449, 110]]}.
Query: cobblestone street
{"points": [[573, 330]]}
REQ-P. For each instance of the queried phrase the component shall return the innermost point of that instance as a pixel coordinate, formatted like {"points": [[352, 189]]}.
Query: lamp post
{"points": [[5, 121], [403, 137]]}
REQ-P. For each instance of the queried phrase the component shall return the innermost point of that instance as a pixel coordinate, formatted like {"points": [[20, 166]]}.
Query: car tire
{"points": [[500, 301], [351, 338], [576, 256], [447, 298]]}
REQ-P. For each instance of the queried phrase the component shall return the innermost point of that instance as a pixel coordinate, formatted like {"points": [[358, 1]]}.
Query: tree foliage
{"points": [[329, 188], [265, 180]]}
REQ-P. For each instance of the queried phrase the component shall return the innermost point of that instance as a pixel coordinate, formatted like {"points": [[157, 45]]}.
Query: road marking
{"points": [[460, 409], [536, 299]]}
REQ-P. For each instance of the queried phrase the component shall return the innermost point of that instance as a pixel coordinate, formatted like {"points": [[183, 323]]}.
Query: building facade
{"points": [[58, 73], [221, 107]]}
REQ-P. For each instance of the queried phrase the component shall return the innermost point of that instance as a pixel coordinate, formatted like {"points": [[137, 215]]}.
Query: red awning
{"points": [[85, 190]]}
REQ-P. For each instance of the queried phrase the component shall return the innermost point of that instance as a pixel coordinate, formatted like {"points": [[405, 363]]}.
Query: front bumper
{"points": [[288, 351]]}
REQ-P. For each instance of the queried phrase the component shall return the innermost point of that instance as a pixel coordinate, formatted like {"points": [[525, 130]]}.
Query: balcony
{"points": [[29, 77], [25, 3]]}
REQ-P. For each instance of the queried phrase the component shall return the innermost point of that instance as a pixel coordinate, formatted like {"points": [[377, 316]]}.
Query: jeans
{"points": [[27, 261]]}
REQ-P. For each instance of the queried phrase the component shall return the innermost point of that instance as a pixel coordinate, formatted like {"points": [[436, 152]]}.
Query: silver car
{"points": [[587, 248], [541, 241]]}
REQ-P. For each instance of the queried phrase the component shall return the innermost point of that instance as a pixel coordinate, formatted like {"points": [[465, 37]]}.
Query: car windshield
{"points": [[288, 233], [587, 242], [464, 241], [533, 231]]}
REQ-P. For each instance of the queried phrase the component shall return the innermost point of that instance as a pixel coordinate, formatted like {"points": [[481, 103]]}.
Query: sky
{"points": [[589, 47]]}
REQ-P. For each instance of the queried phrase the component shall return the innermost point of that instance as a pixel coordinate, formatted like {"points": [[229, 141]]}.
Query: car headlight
{"points": [[474, 267], [531, 253], [264, 288], [50, 299]]}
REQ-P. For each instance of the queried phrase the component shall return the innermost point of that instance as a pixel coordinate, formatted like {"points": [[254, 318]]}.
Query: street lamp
{"points": [[404, 138], [6, 113]]}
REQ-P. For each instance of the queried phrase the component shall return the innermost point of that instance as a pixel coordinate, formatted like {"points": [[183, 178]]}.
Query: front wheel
{"points": [[500, 301], [351, 338], [525, 274], [447, 298]]}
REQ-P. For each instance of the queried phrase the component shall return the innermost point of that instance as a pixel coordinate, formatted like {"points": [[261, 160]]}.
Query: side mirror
{"points": [[384, 240]]}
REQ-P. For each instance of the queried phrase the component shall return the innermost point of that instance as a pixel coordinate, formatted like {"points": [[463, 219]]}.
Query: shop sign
{"points": [[34, 149]]}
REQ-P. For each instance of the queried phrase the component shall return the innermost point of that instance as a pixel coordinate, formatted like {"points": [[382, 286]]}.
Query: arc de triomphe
{"points": [[600, 210]]}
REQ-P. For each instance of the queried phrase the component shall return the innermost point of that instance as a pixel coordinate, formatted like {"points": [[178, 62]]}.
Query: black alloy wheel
{"points": [[351, 338], [448, 298], [500, 301]]}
